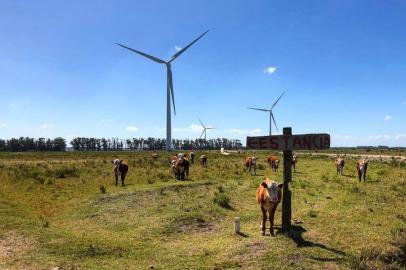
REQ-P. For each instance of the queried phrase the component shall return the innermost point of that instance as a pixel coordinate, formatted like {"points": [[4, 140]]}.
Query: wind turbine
{"points": [[169, 85], [204, 129], [271, 117]]}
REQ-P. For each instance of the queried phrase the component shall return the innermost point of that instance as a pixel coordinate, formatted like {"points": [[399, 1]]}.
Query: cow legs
{"points": [[271, 219], [263, 220], [116, 178], [359, 175], [122, 180], [365, 172]]}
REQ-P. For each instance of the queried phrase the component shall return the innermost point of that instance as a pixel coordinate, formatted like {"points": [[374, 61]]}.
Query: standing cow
{"points": [[191, 157], [251, 164], [180, 166], [268, 195], [203, 160], [339, 165], [361, 166], [273, 161], [294, 161], [120, 169]]}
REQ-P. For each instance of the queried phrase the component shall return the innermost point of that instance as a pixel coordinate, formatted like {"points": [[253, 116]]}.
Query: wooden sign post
{"points": [[287, 143]]}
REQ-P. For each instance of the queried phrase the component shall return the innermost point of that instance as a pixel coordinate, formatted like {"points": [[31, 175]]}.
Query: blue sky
{"points": [[342, 63]]}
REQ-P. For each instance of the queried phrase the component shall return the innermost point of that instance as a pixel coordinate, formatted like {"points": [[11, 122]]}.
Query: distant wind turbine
{"points": [[204, 129], [271, 117], [169, 85]]}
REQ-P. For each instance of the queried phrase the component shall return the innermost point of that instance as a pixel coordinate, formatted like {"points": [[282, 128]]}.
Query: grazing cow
{"points": [[155, 156], [180, 166], [203, 160], [274, 163], [251, 164], [339, 165], [294, 161], [268, 195], [120, 169], [191, 157], [361, 166]]}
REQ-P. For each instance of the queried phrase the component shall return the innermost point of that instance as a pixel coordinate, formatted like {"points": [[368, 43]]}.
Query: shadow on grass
{"points": [[296, 234], [243, 234]]}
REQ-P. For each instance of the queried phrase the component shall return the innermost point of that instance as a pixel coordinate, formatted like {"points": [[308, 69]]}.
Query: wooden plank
{"points": [[290, 142], [287, 177]]}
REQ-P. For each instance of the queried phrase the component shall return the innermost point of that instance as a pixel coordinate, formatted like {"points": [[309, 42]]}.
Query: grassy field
{"points": [[62, 210]]}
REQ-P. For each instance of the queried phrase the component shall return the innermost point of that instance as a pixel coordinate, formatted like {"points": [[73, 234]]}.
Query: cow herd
{"points": [[268, 194]]}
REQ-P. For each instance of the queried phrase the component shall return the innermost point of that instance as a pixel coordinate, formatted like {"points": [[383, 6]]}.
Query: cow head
{"points": [[181, 156], [116, 162], [276, 163], [363, 165], [254, 160], [274, 190]]}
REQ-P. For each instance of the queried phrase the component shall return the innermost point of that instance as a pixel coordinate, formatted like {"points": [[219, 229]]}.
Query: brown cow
{"points": [[191, 157], [294, 161], [203, 160], [273, 161], [251, 164], [339, 165], [120, 169], [180, 166], [268, 195], [361, 166]]}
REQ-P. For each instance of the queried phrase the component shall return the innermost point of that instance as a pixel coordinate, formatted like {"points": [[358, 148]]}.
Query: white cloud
{"points": [[177, 48], [270, 70], [2, 125], [44, 126], [243, 131], [191, 128], [400, 137], [388, 117], [131, 129]]}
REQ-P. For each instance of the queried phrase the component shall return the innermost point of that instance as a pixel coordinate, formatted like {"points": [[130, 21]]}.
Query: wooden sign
{"points": [[290, 142]]}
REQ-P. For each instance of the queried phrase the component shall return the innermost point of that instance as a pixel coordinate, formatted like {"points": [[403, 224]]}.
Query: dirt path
{"points": [[368, 156]]}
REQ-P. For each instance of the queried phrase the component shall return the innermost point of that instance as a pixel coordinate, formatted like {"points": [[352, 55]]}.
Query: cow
{"points": [[191, 157], [155, 156], [180, 166], [361, 166], [294, 161], [120, 169], [268, 195], [203, 160], [339, 165], [251, 164], [273, 161]]}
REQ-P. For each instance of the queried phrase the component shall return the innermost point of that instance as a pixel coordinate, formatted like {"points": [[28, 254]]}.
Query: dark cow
{"points": [[273, 161], [294, 161], [339, 165], [203, 160], [120, 169], [180, 167], [251, 164], [361, 166], [155, 156], [268, 195], [191, 157]]}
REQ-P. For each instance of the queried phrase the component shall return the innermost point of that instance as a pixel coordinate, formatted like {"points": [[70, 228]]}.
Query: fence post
{"points": [[287, 177]]}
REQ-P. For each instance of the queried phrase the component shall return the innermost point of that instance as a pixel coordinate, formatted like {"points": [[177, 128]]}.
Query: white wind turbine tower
{"points": [[204, 129], [271, 117], [169, 85]]}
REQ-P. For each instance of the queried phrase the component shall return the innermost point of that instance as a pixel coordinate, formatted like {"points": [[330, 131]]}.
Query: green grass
{"points": [[62, 209]]}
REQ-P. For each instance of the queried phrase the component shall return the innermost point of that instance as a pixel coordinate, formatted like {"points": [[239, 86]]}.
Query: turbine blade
{"points": [[202, 133], [201, 123], [187, 47], [264, 110], [170, 85], [277, 100], [153, 58], [274, 123]]}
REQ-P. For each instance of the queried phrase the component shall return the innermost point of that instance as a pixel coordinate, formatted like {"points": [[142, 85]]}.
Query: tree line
{"points": [[115, 144], [24, 144]]}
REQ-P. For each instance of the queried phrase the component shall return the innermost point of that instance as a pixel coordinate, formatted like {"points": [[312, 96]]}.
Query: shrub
{"points": [[222, 199], [103, 189], [312, 213]]}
